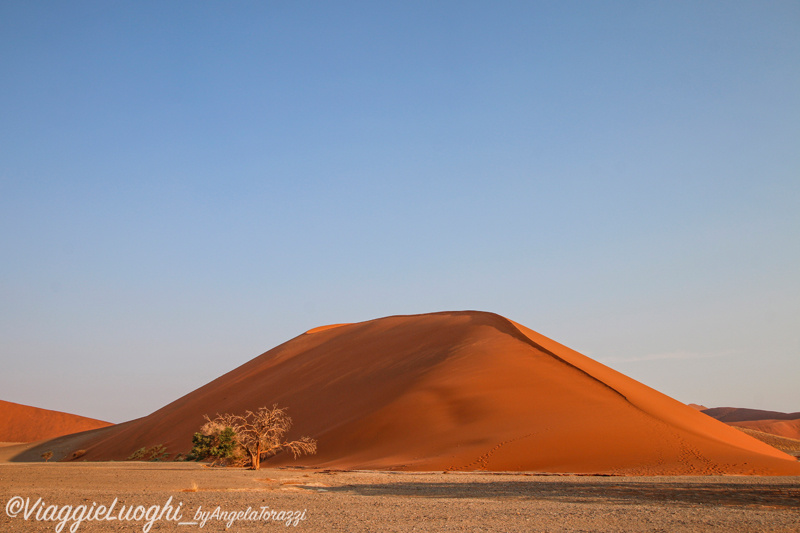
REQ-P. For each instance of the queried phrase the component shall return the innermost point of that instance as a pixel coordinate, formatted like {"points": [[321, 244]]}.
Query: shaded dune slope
{"points": [[23, 423], [457, 391]]}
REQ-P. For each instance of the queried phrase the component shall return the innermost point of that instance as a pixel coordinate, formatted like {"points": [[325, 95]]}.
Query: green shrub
{"points": [[217, 446], [153, 453]]}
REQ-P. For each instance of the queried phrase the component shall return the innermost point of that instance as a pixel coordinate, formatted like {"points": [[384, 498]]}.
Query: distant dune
{"points": [[773, 422], [738, 414], [22, 423], [456, 391], [784, 444], [782, 428]]}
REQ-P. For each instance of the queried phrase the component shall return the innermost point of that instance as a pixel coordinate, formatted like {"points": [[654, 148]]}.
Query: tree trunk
{"points": [[255, 458]]}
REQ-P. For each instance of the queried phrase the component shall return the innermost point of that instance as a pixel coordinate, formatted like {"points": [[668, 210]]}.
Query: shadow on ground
{"points": [[776, 496]]}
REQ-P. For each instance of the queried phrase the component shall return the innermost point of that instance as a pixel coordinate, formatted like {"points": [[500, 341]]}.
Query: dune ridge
{"points": [[658, 405], [464, 390], [324, 328]]}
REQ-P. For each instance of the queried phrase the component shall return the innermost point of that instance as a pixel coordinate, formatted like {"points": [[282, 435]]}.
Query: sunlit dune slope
{"points": [[457, 391], [23, 423]]}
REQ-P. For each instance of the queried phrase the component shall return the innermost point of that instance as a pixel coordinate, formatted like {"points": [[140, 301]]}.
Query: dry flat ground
{"points": [[389, 501]]}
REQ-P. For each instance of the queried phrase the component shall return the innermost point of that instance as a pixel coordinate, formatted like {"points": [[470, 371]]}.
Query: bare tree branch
{"points": [[261, 433]]}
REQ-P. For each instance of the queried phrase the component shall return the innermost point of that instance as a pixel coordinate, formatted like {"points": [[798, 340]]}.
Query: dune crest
{"points": [[457, 391], [325, 328]]}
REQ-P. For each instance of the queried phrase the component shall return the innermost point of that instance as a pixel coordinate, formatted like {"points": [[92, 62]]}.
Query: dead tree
{"points": [[261, 434]]}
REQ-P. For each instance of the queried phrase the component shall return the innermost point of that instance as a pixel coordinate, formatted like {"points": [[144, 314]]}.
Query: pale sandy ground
{"points": [[388, 501]]}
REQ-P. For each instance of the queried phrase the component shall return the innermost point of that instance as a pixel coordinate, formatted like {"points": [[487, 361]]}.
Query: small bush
{"points": [[220, 446], [138, 454], [47, 456], [153, 453]]}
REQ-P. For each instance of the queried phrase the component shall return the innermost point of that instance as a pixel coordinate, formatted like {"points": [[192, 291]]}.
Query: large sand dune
{"points": [[23, 423], [457, 391]]}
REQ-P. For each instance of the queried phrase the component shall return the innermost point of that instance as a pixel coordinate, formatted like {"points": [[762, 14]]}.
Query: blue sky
{"points": [[184, 185]]}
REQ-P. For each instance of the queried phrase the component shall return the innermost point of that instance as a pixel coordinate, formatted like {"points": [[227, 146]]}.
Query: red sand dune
{"points": [[22, 423], [457, 391], [774, 422]]}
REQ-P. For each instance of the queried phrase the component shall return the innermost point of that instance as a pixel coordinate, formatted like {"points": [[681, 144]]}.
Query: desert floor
{"points": [[390, 501]]}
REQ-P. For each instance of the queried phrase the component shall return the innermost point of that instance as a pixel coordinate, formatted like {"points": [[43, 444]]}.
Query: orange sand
{"points": [[22, 423], [457, 391]]}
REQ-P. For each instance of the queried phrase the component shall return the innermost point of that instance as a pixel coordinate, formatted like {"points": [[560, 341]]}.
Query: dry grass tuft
{"points": [[192, 489]]}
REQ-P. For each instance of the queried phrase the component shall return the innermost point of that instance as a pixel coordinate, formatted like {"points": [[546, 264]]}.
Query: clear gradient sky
{"points": [[184, 185]]}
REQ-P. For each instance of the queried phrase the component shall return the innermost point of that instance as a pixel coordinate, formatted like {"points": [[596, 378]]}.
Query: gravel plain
{"points": [[323, 500]]}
